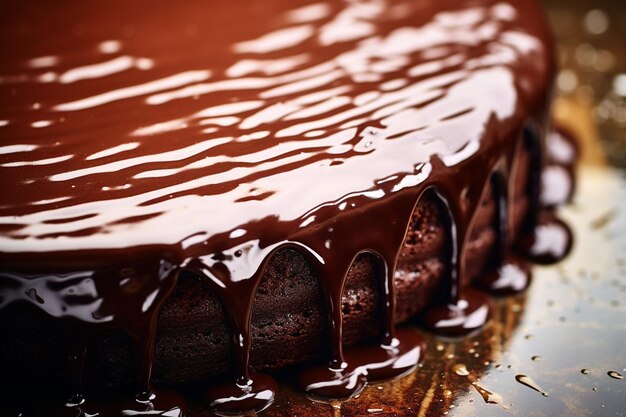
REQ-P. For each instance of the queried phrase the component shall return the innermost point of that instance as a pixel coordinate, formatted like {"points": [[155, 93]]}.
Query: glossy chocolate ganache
{"points": [[142, 141]]}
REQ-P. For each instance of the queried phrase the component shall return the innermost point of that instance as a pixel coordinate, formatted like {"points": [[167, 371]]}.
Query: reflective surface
{"points": [[127, 123]]}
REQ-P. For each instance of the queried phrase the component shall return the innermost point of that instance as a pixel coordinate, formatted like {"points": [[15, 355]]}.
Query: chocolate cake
{"points": [[198, 194]]}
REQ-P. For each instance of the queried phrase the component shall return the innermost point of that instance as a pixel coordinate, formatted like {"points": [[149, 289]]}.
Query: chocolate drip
{"points": [[76, 364], [462, 311], [508, 273], [235, 278], [345, 375], [547, 239], [501, 185], [536, 149], [142, 331], [336, 378], [85, 304]]}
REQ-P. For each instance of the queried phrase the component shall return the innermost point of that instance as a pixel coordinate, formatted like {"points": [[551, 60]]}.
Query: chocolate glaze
{"points": [[144, 139], [547, 239], [509, 273]]}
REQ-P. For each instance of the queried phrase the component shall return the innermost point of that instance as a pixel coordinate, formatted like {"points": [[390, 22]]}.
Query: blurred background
{"points": [[592, 81]]}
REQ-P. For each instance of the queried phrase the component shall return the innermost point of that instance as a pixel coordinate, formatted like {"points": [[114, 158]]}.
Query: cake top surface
{"points": [[191, 130]]}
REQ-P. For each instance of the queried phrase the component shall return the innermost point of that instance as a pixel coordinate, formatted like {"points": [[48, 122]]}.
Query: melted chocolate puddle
{"points": [[154, 403], [463, 310], [549, 242]]}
